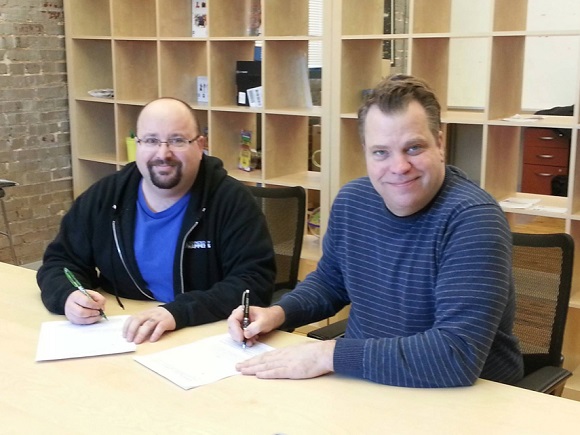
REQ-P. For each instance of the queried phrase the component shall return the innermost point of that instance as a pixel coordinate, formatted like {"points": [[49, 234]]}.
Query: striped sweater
{"points": [[432, 298]]}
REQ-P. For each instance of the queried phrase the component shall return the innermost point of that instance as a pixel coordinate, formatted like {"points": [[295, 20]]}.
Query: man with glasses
{"points": [[172, 227]]}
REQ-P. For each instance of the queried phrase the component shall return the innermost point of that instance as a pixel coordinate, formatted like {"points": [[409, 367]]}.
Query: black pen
{"points": [[246, 320], [75, 282]]}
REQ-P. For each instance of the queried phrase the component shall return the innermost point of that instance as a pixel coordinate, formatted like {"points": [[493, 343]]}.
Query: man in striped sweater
{"points": [[422, 254]]}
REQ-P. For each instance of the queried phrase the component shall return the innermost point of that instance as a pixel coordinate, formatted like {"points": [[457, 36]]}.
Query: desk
{"points": [[116, 395]]}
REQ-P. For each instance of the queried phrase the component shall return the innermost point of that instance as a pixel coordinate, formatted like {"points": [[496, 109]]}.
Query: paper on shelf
{"points": [[62, 339], [523, 118], [201, 362], [518, 203]]}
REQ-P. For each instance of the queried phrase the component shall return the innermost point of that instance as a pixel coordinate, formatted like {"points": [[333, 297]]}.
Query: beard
{"points": [[160, 176]]}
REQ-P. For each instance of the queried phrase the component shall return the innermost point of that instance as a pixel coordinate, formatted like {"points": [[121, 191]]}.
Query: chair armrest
{"points": [[545, 380], [330, 332]]}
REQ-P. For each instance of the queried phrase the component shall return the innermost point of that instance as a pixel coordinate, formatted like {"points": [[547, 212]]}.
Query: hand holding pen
{"points": [[75, 282], [246, 319]]}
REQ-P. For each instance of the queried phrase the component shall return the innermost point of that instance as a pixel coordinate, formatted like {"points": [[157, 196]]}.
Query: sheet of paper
{"points": [[62, 339], [521, 203], [201, 362], [523, 118]]}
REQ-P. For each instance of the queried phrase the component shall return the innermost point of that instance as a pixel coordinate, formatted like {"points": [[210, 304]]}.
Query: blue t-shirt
{"points": [[155, 243]]}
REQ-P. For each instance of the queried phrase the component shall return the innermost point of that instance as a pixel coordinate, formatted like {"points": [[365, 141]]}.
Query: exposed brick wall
{"points": [[34, 124]]}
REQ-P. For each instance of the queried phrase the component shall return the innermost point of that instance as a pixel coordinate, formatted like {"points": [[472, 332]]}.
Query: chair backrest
{"points": [[285, 211], [542, 270]]}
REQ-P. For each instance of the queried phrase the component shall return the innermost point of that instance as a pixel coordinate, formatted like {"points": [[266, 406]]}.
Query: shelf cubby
{"points": [[134, 19], [93, 21], [431, 16], [95, 138], [94, 67], [230, 18], [275, 18], [354, 79], [135, 70], [175, 18], [222, 70], [356, 20], [285, 75], [224, 140], [180, 63]]}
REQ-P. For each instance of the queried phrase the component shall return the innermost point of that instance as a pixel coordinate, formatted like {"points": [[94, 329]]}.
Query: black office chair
{"points": [[542, 270], [285, 211]]}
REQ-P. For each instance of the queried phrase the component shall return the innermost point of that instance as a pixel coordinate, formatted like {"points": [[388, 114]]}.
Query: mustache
{"points": [[165, 162]]}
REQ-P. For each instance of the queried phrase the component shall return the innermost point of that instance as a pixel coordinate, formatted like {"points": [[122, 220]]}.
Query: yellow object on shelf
{"points": [[131, 148]]}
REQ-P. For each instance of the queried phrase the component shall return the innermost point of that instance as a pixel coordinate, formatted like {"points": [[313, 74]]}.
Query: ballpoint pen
{"points": [[246, 320], [75, 282]]}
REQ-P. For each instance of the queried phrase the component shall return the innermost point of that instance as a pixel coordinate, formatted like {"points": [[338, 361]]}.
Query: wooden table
{"points": [[116, 395]]}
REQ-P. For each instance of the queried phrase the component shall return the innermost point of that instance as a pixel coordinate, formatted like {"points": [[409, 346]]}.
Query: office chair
{"points": [[285, 211], [542, 271]]}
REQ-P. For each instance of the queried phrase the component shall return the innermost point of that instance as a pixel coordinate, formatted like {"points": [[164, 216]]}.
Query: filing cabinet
{"points": [[546, 155]]}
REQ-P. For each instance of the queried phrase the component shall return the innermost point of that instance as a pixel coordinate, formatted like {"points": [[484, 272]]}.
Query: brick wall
{"points": [[34, 125]]}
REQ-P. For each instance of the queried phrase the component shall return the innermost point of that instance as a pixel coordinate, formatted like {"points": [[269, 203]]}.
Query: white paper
{"points": [[201, 362], [255, 96], [521, 203], [202, 89], [523, 118], [63, 339]]}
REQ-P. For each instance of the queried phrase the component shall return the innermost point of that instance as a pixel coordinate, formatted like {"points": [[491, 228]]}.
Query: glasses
{"points": [[173, 143]]}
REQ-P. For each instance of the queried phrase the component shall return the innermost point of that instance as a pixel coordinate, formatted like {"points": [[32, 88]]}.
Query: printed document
{"points": [[63, 339], [201, 362]]}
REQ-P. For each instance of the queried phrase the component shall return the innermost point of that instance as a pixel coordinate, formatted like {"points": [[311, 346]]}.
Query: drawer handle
{"points": [[544, 174], [546, 138], [545, 156]]}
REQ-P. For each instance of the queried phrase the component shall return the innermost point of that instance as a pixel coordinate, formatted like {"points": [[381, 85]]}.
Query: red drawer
{"points": [[538, 178], [544, 137], [544, 155]]}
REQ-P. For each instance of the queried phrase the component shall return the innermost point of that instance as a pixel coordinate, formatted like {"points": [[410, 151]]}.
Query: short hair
{"points": [[394, 93], [189, 108]]}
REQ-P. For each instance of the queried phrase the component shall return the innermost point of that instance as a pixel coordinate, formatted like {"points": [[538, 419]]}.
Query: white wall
{"points": [[550, 65]]}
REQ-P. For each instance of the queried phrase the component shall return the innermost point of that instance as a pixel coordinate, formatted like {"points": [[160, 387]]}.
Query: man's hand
{"points": [[81, 310], [149, 324], [303, 361], [262, 321]]}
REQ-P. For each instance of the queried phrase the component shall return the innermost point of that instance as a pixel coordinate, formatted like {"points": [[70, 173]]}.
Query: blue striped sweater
{"points": [[432, 298]]}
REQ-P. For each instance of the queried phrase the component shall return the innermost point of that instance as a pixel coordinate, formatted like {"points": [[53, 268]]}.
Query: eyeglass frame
{"points": [[166, 142]]}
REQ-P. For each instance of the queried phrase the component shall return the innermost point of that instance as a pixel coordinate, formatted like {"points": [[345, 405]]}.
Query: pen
{"points": [[75, 282], [246, 320]]}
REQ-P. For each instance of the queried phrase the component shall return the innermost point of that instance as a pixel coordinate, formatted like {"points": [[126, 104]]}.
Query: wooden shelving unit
{"points": [[143, 49]]}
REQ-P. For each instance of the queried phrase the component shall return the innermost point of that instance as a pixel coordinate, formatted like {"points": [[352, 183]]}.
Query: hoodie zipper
{"points": [[118, 246], [183, 249]]}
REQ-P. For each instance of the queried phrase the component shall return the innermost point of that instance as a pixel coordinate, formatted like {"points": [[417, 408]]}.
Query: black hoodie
{"points": [[224, 247]]}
